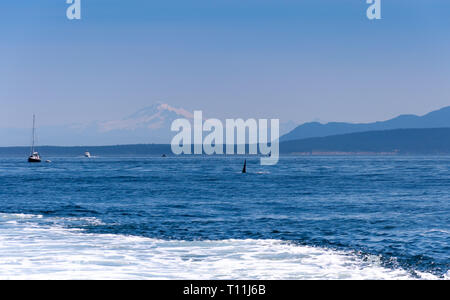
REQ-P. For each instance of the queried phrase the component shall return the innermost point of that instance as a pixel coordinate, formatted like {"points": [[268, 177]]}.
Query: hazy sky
{"points": [[298, 60]]}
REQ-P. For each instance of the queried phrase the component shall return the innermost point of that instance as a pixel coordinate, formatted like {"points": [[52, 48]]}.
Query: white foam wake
{"points": [[32, 251]]}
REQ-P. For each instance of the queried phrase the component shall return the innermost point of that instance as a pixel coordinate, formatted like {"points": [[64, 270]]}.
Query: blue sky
{"points": [[297, 60]]}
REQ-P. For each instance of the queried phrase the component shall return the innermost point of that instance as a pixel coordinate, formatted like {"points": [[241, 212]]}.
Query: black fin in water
{"points": [[244, 170]]}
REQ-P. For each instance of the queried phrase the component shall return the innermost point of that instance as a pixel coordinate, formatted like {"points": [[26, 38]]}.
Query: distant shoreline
{"points": [[337, 153], [433, 141]]}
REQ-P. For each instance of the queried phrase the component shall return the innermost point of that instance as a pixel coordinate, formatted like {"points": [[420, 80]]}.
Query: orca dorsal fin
{"points": [[244, 170]]}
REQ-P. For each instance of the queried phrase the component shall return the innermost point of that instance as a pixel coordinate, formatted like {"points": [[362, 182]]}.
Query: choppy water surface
{"points": [[200, 218]]}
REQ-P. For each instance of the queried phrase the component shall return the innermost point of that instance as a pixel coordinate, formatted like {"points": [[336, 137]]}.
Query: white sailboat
{"points": [[34, 157]]}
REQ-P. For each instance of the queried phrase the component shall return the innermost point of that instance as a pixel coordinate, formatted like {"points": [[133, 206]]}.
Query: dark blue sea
{"points": [[199, 217]]}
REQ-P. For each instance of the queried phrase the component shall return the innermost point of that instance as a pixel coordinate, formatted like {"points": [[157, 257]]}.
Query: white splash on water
{"points": [[30, 250]]}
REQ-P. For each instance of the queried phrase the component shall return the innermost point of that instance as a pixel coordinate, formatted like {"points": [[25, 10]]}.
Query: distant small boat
{"points": [[87, 154], [34, 157]]}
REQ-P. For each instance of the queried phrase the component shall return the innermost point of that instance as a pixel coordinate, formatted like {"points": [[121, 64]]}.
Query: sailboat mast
{"points": [[34, 126]]}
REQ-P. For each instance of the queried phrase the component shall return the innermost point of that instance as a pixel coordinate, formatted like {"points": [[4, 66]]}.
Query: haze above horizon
{"points": [[293, 60]]}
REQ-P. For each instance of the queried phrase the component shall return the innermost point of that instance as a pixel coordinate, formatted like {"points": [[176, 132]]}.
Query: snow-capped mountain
{"points": [[155, 117], [148, 125]]}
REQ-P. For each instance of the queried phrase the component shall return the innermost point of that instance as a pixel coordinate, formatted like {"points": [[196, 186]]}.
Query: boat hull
{"points": [[34, 160]]}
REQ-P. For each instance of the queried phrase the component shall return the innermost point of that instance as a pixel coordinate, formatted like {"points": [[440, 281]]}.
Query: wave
{"points": [[31, 247]]}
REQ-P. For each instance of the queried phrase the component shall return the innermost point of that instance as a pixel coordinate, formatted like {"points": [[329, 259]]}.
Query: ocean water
{"points": [[198, 217]]}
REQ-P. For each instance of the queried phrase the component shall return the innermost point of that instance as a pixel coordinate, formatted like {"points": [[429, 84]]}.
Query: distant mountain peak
{"points": [[156, 116], [159, 109], [435, 119]]}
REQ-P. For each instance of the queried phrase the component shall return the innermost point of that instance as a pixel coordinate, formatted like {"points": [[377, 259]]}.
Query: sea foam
{"points": [[30, 249]]}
